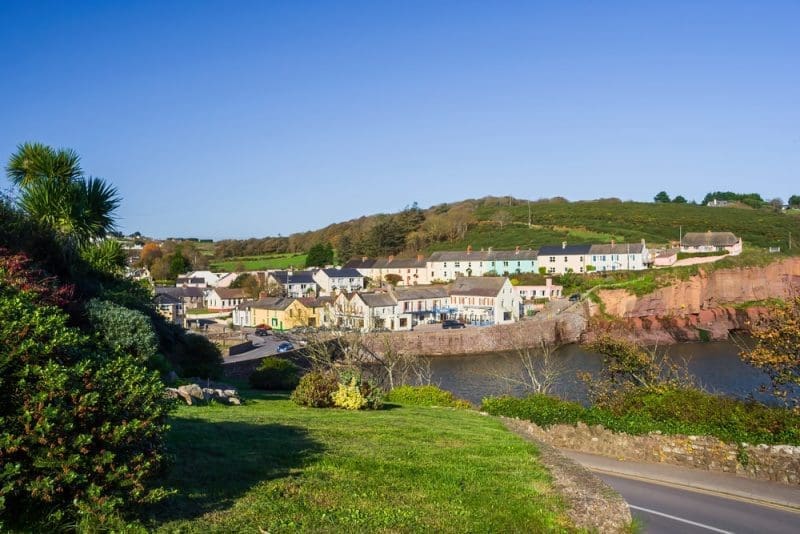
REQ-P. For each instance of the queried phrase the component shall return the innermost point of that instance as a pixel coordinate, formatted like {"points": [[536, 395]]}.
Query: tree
{"points": [[393, 279], [777, 349], [150, 253], [679, 200], [345, 250], [502, 218], [320, 255], [794, 201], [537, 368], [776, 203], [661, 197], [55, 192], [178, 265]]}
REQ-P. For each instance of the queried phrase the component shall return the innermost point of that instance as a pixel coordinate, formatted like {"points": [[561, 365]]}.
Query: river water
{"points": [[716, 367]]}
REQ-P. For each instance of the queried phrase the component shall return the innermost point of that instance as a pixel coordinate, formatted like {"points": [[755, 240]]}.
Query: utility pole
{"points": [[529, 213], [680, 237]]}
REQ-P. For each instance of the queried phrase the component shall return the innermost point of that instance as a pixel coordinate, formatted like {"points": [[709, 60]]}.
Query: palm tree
{"points": [[55, 192]]}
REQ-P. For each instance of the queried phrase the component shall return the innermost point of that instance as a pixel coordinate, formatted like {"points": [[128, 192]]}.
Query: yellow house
{"points": [[314, 311], [283, 313]]}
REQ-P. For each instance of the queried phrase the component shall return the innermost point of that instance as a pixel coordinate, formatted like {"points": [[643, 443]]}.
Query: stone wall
{"points": [[565, 327], [776, 463]]}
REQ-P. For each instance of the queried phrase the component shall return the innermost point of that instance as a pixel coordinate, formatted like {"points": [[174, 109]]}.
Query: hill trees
{"points": [[794, 201], [320, 255], [662, 196]]}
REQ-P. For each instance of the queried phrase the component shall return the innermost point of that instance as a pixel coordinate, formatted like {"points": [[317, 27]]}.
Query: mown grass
{"points": [[260, 263], [272, 465]]}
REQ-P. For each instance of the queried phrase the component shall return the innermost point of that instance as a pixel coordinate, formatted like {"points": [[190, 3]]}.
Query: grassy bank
{"points": [[272, 465], [260, 263], [677, 411]]}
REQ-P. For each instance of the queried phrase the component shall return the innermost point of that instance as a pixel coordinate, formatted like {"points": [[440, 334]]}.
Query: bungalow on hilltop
{"points": [[699, 242], [449, 265]]}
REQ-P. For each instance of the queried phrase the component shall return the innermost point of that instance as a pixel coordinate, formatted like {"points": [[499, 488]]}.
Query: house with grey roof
{"points": [[332, 281], [699, 242], [220, 299], [484, 300], [295, 283], [619, 257], [449, 265], [423, 303], [565, 258]]}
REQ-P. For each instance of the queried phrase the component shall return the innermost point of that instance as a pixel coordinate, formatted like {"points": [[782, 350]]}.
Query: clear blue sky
{"points": [[235, 119]]}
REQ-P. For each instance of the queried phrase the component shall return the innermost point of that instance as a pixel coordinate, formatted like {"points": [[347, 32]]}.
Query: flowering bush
{"points": [[349, 396], [316, 389]]}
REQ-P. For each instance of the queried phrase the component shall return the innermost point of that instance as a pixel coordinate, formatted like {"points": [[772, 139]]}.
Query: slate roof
{"points": [[483, 255], [166, 298], [617, 248], [360, 263], [421, 292], [709, 239], [343, 273], [377, 300], [180, 292], [190, 280], [400, 263], [569, 250], [315, 302], [297, 277], [478, 286]]}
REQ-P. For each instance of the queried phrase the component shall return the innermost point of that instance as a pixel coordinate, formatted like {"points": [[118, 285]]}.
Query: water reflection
{"points": [[715, 366]]}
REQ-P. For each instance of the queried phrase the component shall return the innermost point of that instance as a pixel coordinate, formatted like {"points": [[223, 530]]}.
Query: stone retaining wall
{"points": [[563, 328], [776, 463]]}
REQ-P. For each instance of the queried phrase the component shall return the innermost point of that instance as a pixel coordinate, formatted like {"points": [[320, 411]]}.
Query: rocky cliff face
{"points": [[703, 306]]}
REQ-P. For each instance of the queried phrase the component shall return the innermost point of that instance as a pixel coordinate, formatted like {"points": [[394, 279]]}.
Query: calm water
{"points": [[715, 366]]}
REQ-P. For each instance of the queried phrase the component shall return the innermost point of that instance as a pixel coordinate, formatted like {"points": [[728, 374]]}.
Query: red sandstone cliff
{"points": [[704, 303]]}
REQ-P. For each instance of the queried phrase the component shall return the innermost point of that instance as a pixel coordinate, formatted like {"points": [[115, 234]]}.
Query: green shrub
{"points": [[122, 329], [369, 390], [426, 396], [316, 389], [541, 409], [81, 426], [275, 373], [349, 396]]}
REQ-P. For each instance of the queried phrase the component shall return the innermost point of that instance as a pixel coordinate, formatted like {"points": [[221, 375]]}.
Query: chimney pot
{"points": [[516, 250], [613, 242], [391, 258], [469, 249], [563, 245], [364, 258], [420, 257], [490, 249]]}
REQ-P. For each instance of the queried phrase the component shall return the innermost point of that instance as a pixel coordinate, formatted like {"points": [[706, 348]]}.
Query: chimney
{"points": [[420, 257], [364, 258], [469, 249], [643, 242], [490, 250], [547, 283], [613, 242], [563, 245], [516, 250], [391, 258]]}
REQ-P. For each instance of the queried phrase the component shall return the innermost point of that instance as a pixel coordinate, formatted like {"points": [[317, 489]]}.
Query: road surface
{"points": [[668, 509]]}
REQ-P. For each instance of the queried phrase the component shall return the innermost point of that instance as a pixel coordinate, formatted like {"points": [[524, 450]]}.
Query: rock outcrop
{"points": [[194, 394], [705, 307]]}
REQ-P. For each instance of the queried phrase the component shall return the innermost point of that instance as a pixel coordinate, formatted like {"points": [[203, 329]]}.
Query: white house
{"points": [[563, 259], [484, 300], [199, 279], [222, 299], [377, 310], [619, 257], [338, 280], [449, 265], [422, 303], [548, 291], [694, 242], [295, 283]]}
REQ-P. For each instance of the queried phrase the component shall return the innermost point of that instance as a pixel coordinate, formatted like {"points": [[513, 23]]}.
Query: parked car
{"points": [[262, 332], [285, 347], [452, 323], [575, 297]]}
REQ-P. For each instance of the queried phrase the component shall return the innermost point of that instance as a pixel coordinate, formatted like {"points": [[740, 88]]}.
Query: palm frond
{"points": [[106, 256]]}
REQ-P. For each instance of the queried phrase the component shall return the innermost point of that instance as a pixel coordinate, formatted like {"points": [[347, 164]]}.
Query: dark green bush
{"points": [[425, 396], [369, 390], [275, 373], [122, 329], [316, 389], [81, 428], [194, 355]]}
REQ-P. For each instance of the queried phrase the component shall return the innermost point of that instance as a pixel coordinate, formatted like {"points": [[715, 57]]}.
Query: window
{"points": [[457, 264], [505, 264], [551, 270], [552, 259], [444, 265], [580, 259], [519, 264], [566, 259], [580, 269]]}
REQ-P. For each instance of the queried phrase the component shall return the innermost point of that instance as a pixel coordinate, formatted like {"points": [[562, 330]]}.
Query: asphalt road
{"points": [[666, 509], [263, 346]]}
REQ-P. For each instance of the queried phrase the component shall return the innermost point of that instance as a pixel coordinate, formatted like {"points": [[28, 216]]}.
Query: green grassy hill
{"points": [[601, 221], [272, 466]]}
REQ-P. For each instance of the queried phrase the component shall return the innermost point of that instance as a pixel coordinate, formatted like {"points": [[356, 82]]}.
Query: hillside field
{"points": [[260, 263]]}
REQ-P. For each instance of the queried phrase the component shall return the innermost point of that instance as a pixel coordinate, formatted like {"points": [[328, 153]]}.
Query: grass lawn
{"points": [[260, 263], [272, 465]]}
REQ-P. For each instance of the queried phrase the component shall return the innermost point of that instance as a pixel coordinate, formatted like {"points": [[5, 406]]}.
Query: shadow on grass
{"points": [[215, 463]]}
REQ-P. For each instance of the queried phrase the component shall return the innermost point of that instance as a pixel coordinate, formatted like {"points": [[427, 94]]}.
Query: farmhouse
{"points": [[696, 242]]}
